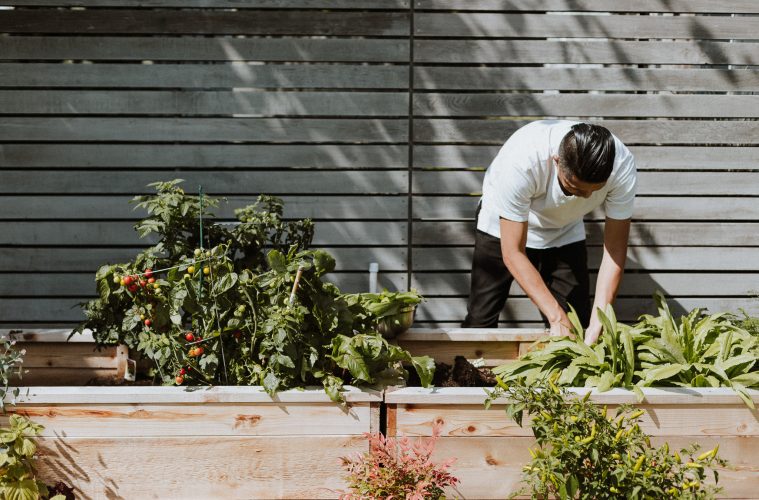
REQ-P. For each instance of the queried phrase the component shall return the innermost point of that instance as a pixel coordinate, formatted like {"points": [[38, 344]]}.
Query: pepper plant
{"points": [[583, 452]]}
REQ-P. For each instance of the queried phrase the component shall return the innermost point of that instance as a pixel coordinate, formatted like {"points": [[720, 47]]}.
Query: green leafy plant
{"points": [[397, 468], [252, 310], [387, 303], [583, 453], [18, 479], [11, 359], [698, 350]]}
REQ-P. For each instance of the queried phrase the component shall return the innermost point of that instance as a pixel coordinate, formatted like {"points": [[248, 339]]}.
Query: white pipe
{"points": [[373, 270]]}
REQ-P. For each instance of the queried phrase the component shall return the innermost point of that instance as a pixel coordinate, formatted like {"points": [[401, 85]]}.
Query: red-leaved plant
{"points": [[397, 469]]}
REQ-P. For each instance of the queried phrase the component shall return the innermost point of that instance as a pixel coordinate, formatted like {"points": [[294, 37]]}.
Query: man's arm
{"points": [[513, 244], [616, 233]]}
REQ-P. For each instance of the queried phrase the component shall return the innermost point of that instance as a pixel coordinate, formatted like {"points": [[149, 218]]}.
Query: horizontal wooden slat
{"points": [[189, 76], [583, 52], [632, 132], [585, 79], [122, 233], [585, 26], [209, 4], [613, 105], [83, 284], [190, 103], [493, 335], [103, 156], [638, 258], [113, 48], [89, 259], [646, 157], [193, 419], [649, 183], [227, 182], [65, 355], [646, 208], [181, 395], [120, 207], [247, 467], [238, 22], [645, 234], [737, 6], [40, 377], [490, 354], [633, 284], [204, 129], [627, 309]]}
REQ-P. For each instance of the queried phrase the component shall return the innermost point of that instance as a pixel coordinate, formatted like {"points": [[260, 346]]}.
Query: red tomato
{"points": [[179, 380], [189, 337], [199, 351], [128, 280], [133, 288], [148, 273], [182, 371], [151, 280], [143, 283], [148, 322]]}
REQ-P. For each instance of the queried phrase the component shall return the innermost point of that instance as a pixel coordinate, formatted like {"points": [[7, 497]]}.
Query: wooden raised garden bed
{"points": [[491, 449], [218, 442], [492, 346]]}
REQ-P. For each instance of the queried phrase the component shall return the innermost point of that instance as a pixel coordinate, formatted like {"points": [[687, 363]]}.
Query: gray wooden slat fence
{"points": [[377, 119]]}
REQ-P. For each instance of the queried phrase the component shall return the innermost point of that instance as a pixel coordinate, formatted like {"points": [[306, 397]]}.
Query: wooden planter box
{"points": [[218, 442], [491, 449], [493, 346]]}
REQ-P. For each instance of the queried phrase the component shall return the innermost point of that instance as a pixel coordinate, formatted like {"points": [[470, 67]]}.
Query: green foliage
{"points": [[232, 314], [397, 468], [583, 453], [698, 350], [17, 448], [386, 303], [10, 365]]}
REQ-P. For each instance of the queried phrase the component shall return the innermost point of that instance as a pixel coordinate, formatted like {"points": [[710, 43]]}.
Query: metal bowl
{"points": [[395, 324]]}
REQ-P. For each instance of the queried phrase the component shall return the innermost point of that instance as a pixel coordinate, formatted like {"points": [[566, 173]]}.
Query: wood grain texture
{"points": [[737, 6], [491, 354], [210, 4], [168, 48], [205, 76], [489, 24], [239, 22]]}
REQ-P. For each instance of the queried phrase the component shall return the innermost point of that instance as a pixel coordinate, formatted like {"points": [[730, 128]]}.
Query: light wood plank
{"points": [[65, 355], [120, 207], [89, 259], [211, 4], [490, 354], [227, 467], [646, 157], [632, 132], [584, 79], [186, 395], [140, 48], [203, 103], [647, 259], [737, 6], [196, 420], [611, 105], [217, 183], [187, 76], [592, 26], [204, 129], [206, 22], [472, 335], [34, 378]]}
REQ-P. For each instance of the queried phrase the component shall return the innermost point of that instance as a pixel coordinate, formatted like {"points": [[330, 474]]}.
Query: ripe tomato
{"points": [[151, 280], [133, 288], [148, 322], [237, 334], [143, 283], [199, 351], [182, 371], [179, 380], [191, 353], [128, 280], [148, 273], [189, 337]]}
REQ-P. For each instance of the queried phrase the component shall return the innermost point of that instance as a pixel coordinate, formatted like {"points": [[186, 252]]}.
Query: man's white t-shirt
{"points": [[521, 185]]}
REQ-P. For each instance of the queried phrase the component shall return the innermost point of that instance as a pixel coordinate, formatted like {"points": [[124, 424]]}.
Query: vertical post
{"points": [[200, 219]]}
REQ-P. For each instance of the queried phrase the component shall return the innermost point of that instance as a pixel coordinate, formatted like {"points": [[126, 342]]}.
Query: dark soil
{"points": [[461, 374], [113, 380]]}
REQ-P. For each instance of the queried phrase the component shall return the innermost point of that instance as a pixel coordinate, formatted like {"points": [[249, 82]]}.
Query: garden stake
{"points": [[295, 285], [200, 219]]}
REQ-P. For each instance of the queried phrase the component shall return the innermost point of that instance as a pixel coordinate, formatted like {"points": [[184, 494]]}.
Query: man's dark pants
{"points": [[564, 270]]}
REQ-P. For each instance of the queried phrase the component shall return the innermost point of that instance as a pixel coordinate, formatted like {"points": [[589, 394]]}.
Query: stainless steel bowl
{"points": [[395, 324]]}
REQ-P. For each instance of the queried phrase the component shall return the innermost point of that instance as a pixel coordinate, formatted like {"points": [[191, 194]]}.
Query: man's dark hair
{"points": [[587, 151]]}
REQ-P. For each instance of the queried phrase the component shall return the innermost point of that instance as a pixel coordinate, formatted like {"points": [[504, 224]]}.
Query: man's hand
{"points": [[560, 329], [593, 331]]}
